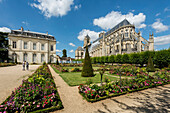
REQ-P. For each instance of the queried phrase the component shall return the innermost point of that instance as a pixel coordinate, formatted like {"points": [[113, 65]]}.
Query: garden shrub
{"points": [[150, 65], [125, 58], [162, 58], [111, 59], [87, 70], [106, 59], [118, 58]]}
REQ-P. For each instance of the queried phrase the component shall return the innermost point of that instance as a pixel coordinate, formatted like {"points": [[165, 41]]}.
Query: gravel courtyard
{"points": [[11, 77]]}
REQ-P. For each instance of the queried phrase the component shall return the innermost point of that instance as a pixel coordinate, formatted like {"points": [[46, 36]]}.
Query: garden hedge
{"points": [[160, 58]]}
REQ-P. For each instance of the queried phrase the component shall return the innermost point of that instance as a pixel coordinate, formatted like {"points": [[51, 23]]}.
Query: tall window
{"points": [[25, 45], [126, 34], [14, 44], [34, 46], [42, 46], [52, 48], [25, 57], [34, 58], [42, 57]]}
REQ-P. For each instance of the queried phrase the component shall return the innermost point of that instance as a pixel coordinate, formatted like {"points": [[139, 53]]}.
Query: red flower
{"points": [[44, 96]]}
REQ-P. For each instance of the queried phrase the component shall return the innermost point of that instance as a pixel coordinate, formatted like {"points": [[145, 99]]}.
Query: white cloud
{"points": [[53, 7], [162, 40], [92, 34], [5, 29], [71, 51], [158, 14], [71, 44], [158, 26], [166, 9], [115, 17], [132, 10], [57, 42], [58, 50], [26, 23], [76, 7]]}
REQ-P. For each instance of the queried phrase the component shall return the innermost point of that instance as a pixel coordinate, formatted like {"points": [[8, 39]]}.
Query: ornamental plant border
{"points": [[50, 109], [118, 94]]}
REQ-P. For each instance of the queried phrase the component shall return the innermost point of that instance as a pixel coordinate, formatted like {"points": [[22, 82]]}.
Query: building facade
{"points": [[120, 39], [32, 47]]}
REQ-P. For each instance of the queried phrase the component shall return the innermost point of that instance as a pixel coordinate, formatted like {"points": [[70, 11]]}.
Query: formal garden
{"points": [[117, 74], [96, 78]]}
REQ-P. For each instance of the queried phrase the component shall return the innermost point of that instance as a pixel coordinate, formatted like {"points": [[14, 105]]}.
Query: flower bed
{"points": [[127, 70], [36, 94], [93, 93], [7, 64]]}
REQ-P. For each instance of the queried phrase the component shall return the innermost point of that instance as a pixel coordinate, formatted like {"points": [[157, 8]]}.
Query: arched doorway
{"points": [[14, 57]]}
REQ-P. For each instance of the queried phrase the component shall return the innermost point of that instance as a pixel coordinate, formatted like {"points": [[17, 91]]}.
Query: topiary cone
{"points": [[87, 70]]}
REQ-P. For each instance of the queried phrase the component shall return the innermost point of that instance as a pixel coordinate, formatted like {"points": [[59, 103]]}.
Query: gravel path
{"points": [[11, 77], [155, 100]]}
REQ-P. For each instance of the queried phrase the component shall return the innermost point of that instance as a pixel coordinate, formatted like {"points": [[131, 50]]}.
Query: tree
{"points": [[135, 58], [118, 58], [64, 53], [3, 46], [57, 63], [162, 58], [102, 59], [111, 59], [125, 58], [87, 70], [150, 66], [106, 59]]}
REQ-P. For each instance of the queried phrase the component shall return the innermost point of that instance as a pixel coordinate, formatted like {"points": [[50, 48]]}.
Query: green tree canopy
{"points": [[64, 53]]}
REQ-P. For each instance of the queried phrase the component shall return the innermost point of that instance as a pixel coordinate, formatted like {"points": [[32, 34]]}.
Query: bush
{"points": [[87, 70], [125, 58], [162, 58], [111, 59], [150, 66], [106, 59], [118, 58], [135, 58]]}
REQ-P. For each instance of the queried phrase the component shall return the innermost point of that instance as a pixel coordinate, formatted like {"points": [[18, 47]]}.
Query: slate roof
{"points": [[122, 23]]}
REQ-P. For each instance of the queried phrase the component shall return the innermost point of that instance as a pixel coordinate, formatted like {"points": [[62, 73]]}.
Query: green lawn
{"points": [[75, 79], [70, 68]]}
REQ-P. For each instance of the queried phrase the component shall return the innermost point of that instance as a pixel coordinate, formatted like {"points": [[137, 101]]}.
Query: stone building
{"points": [[32, 47], [120, 39]]}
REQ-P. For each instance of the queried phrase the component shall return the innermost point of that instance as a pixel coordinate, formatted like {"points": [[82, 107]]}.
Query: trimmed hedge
{"points": [[160, 58]]}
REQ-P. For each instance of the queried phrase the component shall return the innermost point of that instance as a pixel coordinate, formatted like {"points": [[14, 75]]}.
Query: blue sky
{"points": [[70, 20]]}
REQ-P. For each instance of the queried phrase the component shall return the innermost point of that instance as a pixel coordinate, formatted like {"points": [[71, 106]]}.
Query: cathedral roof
{"points": [[122, 23]]}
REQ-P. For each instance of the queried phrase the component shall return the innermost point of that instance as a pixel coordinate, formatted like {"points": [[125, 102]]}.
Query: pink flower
{"points": [[38, 106], [5, 107]]}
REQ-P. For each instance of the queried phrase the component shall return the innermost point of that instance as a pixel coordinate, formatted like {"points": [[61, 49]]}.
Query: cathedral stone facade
{"points": [[32, 47], [120, 39]]}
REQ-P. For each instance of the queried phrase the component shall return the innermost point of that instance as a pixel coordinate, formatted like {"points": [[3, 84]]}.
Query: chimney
{"points": [[47, 32], [22, 29]]}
